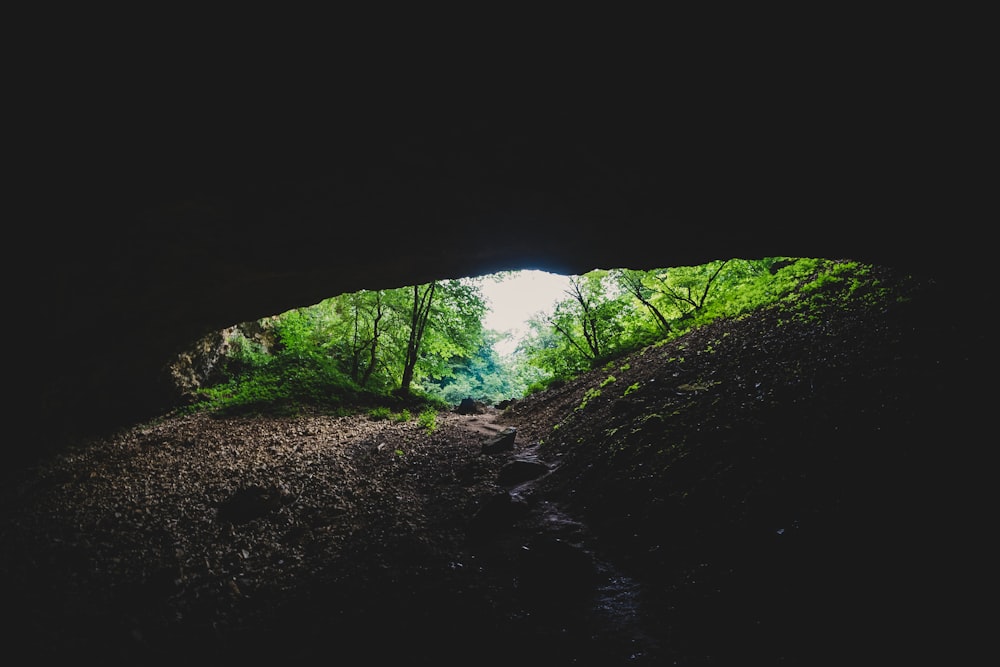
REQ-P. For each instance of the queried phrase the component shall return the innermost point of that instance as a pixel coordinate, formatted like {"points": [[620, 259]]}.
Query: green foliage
{"points": [[379, 413], [543, 384], [244, 352], [660, 305], [588, 396], [482, 375], [282, 383], [351, 350], [428, 420]]}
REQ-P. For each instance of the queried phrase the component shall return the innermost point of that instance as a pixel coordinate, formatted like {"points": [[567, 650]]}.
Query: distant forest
{"points": [[428, 342]]}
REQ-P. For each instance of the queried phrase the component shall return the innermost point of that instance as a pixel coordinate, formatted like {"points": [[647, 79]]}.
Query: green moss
{"points": [[587, 397]]}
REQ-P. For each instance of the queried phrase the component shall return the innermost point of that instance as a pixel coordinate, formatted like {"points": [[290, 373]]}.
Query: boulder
{"points": [[502, 442], [469, 406]]}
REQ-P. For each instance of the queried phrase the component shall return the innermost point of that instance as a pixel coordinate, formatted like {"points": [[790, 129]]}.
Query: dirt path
{"points": [[484, 424], [571, 598]]}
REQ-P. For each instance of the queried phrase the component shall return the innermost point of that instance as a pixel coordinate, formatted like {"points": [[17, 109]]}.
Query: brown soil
{"points": [[764, 491]]}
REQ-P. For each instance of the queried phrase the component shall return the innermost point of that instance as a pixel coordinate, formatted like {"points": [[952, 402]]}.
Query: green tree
{"points": [[432, 335], [589, 320], [444, 327], [550, 352], [482, 375], [688, 287], [360, 332], [633, 282], [419, 315]]}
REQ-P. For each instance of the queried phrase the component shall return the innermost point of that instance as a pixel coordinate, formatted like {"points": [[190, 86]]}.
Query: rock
{"points": [[502, 442], [520, 470], [497, 512], [469, 407]]}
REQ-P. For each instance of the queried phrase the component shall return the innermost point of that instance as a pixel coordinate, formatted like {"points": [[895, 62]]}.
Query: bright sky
{"points": [[515, 299]]}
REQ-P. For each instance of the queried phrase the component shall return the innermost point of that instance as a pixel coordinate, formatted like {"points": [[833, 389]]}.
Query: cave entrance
{"points": [[490, 338]]}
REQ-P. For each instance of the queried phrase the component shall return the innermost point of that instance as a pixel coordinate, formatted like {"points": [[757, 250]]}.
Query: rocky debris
{"points": [[251, 503]]}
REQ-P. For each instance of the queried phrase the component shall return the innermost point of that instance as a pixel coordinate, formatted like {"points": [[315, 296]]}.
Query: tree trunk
{"points": [[418, 321]]}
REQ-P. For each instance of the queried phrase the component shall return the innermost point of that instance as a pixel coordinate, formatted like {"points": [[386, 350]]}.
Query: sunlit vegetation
{"points": [[424, 348]]}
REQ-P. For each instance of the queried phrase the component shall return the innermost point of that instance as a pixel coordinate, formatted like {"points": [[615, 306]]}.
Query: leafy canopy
{"points": [[362, 348]]}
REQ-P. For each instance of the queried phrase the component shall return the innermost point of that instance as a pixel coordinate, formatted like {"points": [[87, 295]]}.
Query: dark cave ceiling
{"points": [[154, 216]]}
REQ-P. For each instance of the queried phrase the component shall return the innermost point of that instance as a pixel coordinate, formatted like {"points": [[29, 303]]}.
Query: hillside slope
{"points": [[782, 482]]}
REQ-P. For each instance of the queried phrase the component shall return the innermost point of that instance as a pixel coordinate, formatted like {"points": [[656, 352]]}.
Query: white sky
{"points": [[515, 299]]}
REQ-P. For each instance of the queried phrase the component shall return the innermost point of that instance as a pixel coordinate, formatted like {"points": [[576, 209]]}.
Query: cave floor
{"points": [[238, 538]]}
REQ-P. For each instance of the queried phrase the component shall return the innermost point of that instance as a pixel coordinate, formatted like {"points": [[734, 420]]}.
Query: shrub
{"points": [[428, 419], [379, 413]]}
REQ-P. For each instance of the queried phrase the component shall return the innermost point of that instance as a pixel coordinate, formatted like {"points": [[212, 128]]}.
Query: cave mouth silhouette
{"points": [[182, 217]]}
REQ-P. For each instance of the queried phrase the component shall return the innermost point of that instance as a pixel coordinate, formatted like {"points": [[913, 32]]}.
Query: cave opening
{"points": [[491, 338]]}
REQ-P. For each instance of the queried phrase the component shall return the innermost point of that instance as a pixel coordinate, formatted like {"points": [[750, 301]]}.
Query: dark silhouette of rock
{"points": [[502, 442], [469, 406], [497, 513], [520, 470], [553, 569]]}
